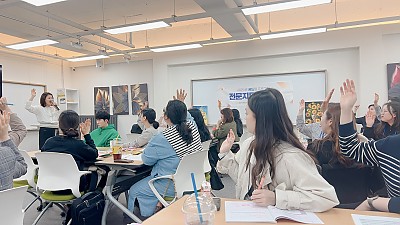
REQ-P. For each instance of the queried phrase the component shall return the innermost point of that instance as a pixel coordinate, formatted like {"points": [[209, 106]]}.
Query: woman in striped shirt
{"points": [[383, 153]]}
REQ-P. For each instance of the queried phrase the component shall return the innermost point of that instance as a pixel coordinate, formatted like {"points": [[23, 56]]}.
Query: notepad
{"points": [[374, 220], [132, 157], [246, 211]]}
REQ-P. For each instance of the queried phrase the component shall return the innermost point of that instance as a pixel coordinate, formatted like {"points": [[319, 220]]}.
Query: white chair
{"points": [[58, 171], [132, 137], [29, 179], [192, 163], [206, 146], [11, 212]]}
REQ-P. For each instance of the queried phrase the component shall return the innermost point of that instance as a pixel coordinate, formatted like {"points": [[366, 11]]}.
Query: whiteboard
{"points": [[18, 94], [311, 86]]}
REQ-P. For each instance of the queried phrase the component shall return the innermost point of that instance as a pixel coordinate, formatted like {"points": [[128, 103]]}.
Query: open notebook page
{"points": [[374, 220]]}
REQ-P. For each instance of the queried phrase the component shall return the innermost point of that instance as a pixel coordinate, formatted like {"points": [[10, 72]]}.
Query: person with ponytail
{"points": [[150, 125], [164, 152], [272, 167], [67, 141]]}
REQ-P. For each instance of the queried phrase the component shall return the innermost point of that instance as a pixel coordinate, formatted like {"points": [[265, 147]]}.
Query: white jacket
{"points": [[297, 183]]}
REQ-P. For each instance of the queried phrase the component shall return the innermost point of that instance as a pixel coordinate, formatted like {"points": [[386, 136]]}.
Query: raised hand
{"points": [[324, 105], [85, 127], [302, 105], [376, 99], [4, 121], [3, 105], [370, 119], [356, 107], [227, 144], [348, 98], [33, 92], [219, 105], [180, 95]]}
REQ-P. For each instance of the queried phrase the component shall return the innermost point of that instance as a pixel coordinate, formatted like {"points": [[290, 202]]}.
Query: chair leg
{"points": [[33, 201], [126, 196], [42, 213]]}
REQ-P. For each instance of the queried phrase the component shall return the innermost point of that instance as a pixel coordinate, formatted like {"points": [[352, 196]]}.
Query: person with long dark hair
{"points": [[150, 125], [226, 123], [47, 115], [389, 125], [68, 141], [164, 152], [327, 149], [272, 167], [201, 126], [238, 121]]}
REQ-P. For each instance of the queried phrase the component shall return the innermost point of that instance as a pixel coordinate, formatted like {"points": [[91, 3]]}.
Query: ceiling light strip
{"points": [[284, 5], [176, 48], [138, 27], [361, 24], [293, 33], [88, 58], [42, 2], [32, 44]]}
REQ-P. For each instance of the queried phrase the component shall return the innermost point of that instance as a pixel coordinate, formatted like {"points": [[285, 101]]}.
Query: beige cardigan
{"points": [[297, 183]]}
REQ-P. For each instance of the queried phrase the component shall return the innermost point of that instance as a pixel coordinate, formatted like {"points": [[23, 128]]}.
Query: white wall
{"points": [[359, 54], [29, 70], [86, 78]]}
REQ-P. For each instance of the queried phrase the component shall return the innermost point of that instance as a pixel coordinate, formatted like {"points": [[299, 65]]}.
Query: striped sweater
{"points": [[384, 153]]}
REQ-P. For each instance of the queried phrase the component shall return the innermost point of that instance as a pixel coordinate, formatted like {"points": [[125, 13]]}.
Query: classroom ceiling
{"points": [[83, 21]]}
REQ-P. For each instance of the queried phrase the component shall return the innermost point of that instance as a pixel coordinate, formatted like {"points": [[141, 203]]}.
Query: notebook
{"points": [[247, 211]]}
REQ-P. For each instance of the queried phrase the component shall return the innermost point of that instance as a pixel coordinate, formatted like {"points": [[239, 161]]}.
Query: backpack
{"points": [[87, 209]]}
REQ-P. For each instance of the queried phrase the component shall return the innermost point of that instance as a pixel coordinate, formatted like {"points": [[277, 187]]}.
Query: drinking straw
{"points": [[197, 198]]}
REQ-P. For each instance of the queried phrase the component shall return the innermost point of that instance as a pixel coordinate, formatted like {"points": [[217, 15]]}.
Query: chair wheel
{"points": [[62, 214], [39, 208]]}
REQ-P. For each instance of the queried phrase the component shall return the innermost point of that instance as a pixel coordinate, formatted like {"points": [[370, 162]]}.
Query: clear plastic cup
{"points": [[191, 212]]}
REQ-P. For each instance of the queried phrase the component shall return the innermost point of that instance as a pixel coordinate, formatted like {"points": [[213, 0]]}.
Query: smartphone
{"points": [[217, 202]]}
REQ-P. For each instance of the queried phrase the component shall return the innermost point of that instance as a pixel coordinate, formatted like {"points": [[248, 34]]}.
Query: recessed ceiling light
{"points": [[175, 48], [42, 2], [138, 27], [293, 33], [32, 44], [283, 5], [88, 58]]}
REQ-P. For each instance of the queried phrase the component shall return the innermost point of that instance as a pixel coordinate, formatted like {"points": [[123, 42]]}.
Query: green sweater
{"points": [[103, 136]]}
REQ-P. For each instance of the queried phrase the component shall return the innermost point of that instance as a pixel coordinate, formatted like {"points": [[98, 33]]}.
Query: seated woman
{"points": [[164, 153], [238, 121], [201, 126], [389, 125], [383, 153], [148, 119], [272, 167], [327, 150], [223, 126], [68, 141]]}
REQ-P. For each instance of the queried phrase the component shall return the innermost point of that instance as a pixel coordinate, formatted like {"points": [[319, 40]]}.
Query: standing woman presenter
{"points": [[46, 113]]}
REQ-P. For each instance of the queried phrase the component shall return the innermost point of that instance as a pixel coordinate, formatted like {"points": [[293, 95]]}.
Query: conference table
{"points": [[172, 215], [119, 173]]}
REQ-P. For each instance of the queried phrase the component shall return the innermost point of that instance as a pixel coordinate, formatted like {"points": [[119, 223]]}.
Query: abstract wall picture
{"points": [[139, 95], [101, 99], [313, 112], [120, 100], [393, 78]]}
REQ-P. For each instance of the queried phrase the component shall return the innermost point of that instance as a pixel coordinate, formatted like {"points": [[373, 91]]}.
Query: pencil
{"points": [[261, 183]]}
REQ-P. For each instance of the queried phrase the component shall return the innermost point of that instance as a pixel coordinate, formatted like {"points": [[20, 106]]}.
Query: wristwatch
{"points": [[370, 201]]}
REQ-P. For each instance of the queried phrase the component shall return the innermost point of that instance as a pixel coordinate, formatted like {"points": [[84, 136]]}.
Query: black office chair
{"points": [[351, 184]]}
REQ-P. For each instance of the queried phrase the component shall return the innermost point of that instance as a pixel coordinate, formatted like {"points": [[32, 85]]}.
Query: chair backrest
{"points": [[31, 170], [11, 207], [132, 137], [192, 163], [351, 184], [58, 171], [206, 146]]}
